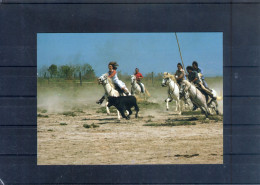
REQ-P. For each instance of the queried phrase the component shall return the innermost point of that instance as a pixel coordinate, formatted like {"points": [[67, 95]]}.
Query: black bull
{"points": [[123, 103]]}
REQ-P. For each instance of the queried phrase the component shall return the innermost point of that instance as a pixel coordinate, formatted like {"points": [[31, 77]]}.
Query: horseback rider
{"points": [[200, 74], [112, 66], [139, 76], [193, 77], [179, 74]]}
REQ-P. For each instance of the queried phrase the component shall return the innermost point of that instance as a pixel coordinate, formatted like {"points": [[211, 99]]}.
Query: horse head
{"points": [[103, 79], [165, 82], [133, 79], [184, 87], [166, 79]]}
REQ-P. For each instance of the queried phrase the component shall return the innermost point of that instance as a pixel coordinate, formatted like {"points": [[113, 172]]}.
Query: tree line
{"points": [[68, 72], [85, 72]]}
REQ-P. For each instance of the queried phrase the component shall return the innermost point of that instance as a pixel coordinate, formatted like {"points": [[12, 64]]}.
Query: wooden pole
{"points": [[180, 52]]}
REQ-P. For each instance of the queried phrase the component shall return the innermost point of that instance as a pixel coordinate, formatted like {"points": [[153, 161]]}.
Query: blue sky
{"points": [[150, 52]]}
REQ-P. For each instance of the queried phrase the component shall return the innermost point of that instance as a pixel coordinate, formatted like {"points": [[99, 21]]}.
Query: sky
{"points": [[150, 52]]}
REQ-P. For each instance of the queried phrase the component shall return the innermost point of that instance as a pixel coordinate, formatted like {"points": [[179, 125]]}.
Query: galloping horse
{"points": [[173, 91], [109, 90], [198, 98], [136, 89]]}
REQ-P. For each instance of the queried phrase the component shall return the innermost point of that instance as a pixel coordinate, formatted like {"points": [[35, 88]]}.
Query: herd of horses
{"points": [[186, 94]]}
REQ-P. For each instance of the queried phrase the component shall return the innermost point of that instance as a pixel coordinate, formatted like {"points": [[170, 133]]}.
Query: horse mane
{"points": [[111, 83], [169, 75], [187, 83], [109, 80]]}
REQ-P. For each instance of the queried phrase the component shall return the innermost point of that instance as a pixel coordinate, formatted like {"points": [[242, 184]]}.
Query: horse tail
{"points": [[219, 98], [147, 92]]}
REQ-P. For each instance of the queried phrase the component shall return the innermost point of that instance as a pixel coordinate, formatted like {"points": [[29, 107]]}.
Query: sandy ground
{"points": [[62, 139]]}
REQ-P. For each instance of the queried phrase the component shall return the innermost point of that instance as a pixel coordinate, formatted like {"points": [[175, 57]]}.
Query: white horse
{"points": [[109, 90], [173, 91], [136, 89], [198, 98]]}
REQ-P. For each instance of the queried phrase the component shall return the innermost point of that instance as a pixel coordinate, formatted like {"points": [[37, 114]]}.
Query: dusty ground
{"points": [[62, 138]]}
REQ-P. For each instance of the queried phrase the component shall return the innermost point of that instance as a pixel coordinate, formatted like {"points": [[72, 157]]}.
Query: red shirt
{"points": [[138, 75]]}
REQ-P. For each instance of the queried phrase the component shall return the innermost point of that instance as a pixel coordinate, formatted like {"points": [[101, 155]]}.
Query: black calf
{"points": [[123, 103]]}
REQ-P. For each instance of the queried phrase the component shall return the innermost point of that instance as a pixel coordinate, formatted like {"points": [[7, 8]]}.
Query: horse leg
{"points": [[167, 103], [204, 111], [216, 107], [108, 112], [179, 106]]}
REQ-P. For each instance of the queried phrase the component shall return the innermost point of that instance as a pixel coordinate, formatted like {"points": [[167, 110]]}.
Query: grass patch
{"points": [[79, 110], [69, 113], [170, 123], [150, 116], [186, 119], [63, 124], [103, 110], [93, 125], [49, 130], [149, 120], [205, 121], [42, 116], [43, 111], [216, 118], [191, 113], [147, 104]]}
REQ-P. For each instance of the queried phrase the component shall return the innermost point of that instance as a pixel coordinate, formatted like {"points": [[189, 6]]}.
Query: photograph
{"points": [[129, 98]]}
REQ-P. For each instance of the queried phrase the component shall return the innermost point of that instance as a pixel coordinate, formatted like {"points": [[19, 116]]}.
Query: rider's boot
{"points": [[101, 100], [126, 91]]}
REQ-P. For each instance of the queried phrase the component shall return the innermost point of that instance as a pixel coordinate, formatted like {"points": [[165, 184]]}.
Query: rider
{"points": [[199, 71], [193, 77], [139, 76], [112, 66], [179, 74]]}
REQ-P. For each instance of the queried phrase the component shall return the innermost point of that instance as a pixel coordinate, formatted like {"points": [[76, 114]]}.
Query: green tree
{"points": [[53, 70], [88, 72], [42, 72], [66, 72]]}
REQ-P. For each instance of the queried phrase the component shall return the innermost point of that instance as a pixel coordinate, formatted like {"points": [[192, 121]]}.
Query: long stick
{"points": [[180, 52]]}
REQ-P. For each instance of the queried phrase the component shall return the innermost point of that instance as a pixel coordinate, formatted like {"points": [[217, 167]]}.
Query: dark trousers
{"points": [[205, 83], [139, 83]]}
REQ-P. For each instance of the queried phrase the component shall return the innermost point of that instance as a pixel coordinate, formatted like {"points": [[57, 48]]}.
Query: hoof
{"points": [[108, 113]]}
